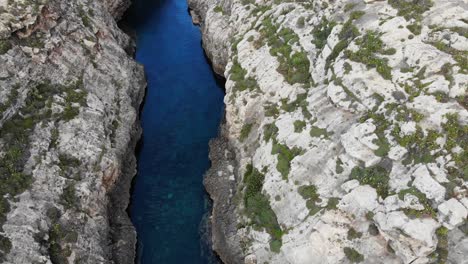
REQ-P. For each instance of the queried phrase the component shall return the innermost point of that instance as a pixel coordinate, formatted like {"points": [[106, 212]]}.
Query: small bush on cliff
{"points": [[285, 156], [258, 209], [245, 132], [321, 33], [4, 46], [375, 176], [370, 45], [353, 255]]}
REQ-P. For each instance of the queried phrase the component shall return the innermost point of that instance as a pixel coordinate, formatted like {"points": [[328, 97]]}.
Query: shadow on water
{"points": [[182, 111]]}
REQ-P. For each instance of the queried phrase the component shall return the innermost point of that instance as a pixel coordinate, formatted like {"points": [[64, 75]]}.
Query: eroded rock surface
{"points": [[349, 124], [69, 99]]}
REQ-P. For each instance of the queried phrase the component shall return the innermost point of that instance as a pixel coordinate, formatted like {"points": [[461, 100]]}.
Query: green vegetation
{"points": [[353, 255], [456, 134], [301, 101], [300, 22], [299, 126], [258, 208], [245, 132], [333, 203], [84, 17], [270, 131], [309, 193], [219, 9], [58, 237], [370, 44], [238, 75], [293, 66], [346, 35], [356, 15], [375, 176], [427, 211], [285, 156], [5, 247], [5, 46], [460, 56], [339, 168], [353, 234], [271, 110], [349, 6], [440, 255], [412, 10], [16, 132], [419, 145], [318, 132], [68, 197], [321, 33]]}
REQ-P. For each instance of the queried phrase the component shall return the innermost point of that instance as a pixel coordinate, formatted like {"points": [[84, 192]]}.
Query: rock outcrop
{"points": [[69, 102], [346, 130]]}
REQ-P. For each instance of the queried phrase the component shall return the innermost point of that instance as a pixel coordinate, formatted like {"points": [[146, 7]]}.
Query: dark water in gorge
{"points": [[182, 111]]}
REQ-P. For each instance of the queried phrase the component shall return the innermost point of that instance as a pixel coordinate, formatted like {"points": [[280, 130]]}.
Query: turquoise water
{"points": [[182, 112]]}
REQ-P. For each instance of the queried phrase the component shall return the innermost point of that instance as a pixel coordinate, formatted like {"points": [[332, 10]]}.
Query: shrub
{"points": [[321, 33], [318, 132], [294, 67], [219, 9], [353, 234], [5, 46], [258, 209], [427, 211], [238, 75], [370, 44], [300, 22], [375, 176], [285, 156], [270, 131], [245, 132], [299, 125], [353, 255]]}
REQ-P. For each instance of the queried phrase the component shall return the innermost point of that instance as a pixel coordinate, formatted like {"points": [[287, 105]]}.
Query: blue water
{"points": [[182, 112]]}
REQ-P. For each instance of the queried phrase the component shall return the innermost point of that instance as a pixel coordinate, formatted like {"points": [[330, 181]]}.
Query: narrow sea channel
{"points": [[182, 112]]}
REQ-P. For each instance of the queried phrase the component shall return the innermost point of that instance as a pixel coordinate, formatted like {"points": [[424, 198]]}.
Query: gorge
{"points": [[342, 136]]}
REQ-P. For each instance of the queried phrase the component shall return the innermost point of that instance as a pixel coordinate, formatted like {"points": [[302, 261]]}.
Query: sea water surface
{"points": [[182, 112]]}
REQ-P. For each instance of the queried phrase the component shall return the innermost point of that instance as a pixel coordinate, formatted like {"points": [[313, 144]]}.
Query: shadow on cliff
{"points": [[140, 11]]}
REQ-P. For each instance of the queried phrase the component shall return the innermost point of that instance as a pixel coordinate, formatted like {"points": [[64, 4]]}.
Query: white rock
{"points": [[359, 201], [452, 213], [427, 185]]}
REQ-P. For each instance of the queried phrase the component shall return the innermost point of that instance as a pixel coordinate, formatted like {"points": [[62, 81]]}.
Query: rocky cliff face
{"points": [[346, 130], [69, 99]]}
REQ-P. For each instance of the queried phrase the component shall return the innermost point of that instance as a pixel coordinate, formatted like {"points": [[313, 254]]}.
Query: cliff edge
{"points": [[69, 100], [346, 128]]}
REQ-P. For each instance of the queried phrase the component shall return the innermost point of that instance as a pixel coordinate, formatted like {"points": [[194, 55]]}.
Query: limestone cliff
{"points": [[346, 130], [69, 100]]}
